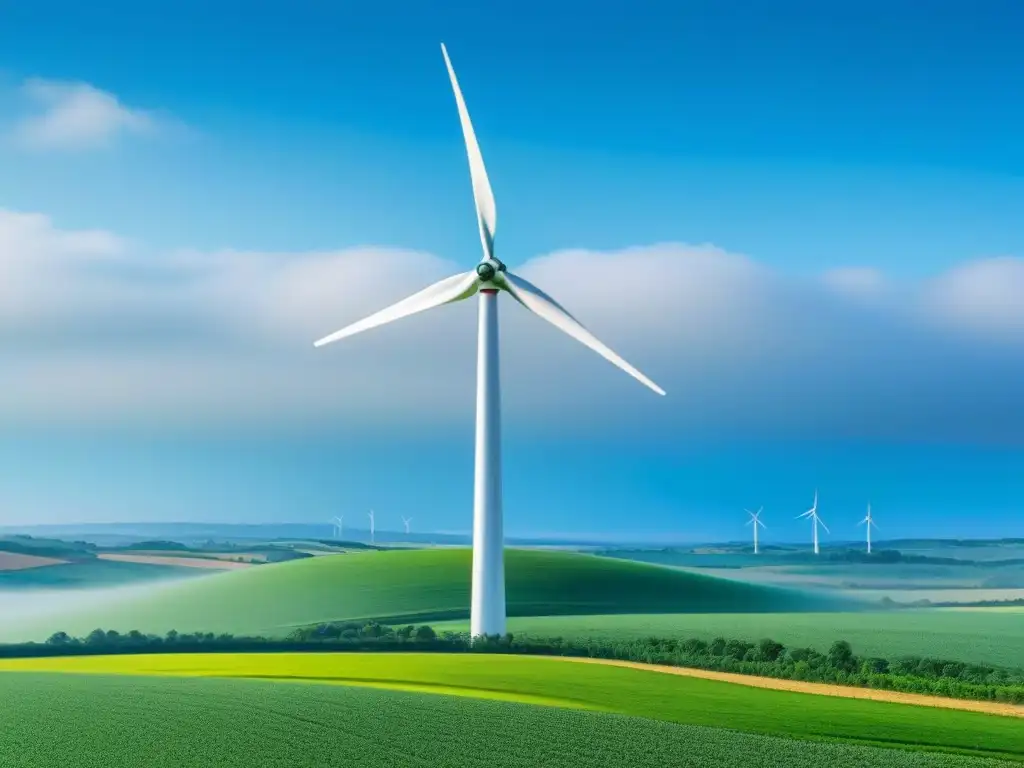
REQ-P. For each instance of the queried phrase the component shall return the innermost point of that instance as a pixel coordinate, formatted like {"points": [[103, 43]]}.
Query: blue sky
{"points": [[816, 212]]}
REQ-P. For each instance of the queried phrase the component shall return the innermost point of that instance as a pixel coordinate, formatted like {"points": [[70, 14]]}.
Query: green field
{"points": [[88, 574], [411, 586], [117, 722], [591, 687], [983, 636]]}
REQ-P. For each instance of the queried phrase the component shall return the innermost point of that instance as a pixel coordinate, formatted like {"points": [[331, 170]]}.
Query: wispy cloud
{"points": [[77, 116], [97, 330]]}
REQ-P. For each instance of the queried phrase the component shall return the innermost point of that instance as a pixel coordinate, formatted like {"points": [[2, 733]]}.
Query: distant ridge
{"points": [[415, 586]]}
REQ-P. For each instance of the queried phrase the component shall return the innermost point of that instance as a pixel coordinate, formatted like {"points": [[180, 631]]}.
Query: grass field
{"points": [[410, 586], [989, 636], [632, 692], [89, 574], [166, 723]]}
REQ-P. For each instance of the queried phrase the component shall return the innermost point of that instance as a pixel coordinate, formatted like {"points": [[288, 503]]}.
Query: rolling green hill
{"points": [[413, 586]]}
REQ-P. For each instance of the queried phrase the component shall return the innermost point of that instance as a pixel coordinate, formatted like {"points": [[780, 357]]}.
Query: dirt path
{"points": [[181, 562], [821, 689]]}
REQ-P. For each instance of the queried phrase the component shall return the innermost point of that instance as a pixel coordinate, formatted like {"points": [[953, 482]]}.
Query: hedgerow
{"points": [[840, 665]]}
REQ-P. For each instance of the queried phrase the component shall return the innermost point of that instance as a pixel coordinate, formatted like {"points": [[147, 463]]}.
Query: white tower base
{"points": [[487, 613]]}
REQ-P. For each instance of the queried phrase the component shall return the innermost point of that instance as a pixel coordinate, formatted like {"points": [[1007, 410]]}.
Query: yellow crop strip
{"points": [[420, 673]]}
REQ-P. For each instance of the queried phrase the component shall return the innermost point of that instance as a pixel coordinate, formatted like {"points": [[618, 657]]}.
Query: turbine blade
{"points": [[538, 302], [761, 524], [483, 197], [823, 526], [451, 289]]}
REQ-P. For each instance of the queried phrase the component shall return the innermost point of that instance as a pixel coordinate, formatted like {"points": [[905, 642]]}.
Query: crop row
{"points": [[92, 721]]}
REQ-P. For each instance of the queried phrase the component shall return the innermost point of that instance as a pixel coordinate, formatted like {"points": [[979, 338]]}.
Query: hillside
{"points": [[411, 586], [88, 574]]}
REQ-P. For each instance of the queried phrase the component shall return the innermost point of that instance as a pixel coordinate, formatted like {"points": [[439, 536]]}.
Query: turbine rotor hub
{"points": [[487, 270]]}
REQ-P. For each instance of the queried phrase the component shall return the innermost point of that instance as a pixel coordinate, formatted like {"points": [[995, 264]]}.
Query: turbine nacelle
{"points": [[488, 269]]}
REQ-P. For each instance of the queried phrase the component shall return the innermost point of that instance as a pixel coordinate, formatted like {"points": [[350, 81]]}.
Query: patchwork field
{"points": [[949, 568], [416, 586], [15, 561], [155, 705], [989, 636], [213, 563]]}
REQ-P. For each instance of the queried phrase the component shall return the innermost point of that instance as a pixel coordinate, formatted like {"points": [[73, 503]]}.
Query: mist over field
{"points": [[22, 609]]}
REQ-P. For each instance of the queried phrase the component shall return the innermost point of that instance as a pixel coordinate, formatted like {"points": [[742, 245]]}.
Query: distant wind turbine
{"points": [[371, 526], [755, 520], [339, 526], [812, 513], [405, 522], [870, 522]]}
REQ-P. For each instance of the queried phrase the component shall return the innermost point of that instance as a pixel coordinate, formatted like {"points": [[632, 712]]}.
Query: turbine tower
{"points": [[405, 522], [372, 530], [488, 279], [339, 526], [755, 520], [812, 513], [870, 523]]}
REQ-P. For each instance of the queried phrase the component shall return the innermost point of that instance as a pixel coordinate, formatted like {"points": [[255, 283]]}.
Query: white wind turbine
{"points": [[372, 529], [755, 520], [339, 526], [405, 522], [488, 279], [870, 523], [812, 513]]}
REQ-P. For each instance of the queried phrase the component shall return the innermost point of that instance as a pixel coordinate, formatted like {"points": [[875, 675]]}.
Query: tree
{"points": [[58, 638], [96, 637], [425, 633], [694, 647], [769, 650], [840, 656], [874, 666]]}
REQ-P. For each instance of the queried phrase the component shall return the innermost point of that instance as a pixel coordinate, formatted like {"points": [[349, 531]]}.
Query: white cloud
{"points": [[986, 296], [96, 330], [73, 115], [857, 282]]}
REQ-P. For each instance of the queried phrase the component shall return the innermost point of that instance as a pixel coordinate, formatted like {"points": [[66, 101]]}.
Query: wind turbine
{"points": [[372, 530], [405, 522], [339, 526], [488, 279], [870, 522], [755, 520], [812, 513]]}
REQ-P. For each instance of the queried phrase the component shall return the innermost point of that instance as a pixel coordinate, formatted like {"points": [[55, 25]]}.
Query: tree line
{"points": [[839, 665]]}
